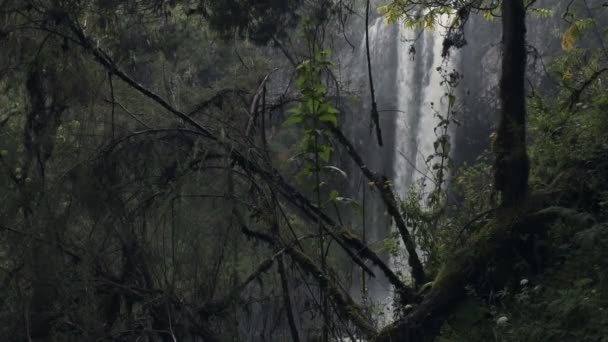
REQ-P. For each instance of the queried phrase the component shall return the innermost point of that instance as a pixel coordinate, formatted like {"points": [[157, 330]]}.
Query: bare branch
{"points": [[380, 182]]}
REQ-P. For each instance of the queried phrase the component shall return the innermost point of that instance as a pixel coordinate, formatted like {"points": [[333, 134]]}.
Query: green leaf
{"points": [[325, 153], [542, 12], [294, 120], [383, 9], [295, 110], [334, 195], [329, 117], [488, 15], [311, 105]]}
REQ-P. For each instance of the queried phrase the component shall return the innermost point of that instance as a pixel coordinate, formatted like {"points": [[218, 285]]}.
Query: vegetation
{"points": [[180, 171]]}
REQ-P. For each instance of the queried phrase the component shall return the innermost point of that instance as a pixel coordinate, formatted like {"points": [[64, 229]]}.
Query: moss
{"points": [[565, 302]]}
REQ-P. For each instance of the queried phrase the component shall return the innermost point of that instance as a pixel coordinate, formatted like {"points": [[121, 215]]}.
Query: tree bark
{"points": [[511, 166]]}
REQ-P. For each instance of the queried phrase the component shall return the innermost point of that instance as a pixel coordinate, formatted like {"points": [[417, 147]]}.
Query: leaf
{"points": [[542, 12], [329, 117], [311, 105], [300, 81], [295, 110], [325, 153], [383, 9], [569, 37], [320, 90], [293, 120], [446, 148], [452, 100], [488, 15], [334, 195]]}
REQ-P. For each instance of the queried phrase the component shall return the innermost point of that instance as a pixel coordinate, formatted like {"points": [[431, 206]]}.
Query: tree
{"points": [[512, 165]]}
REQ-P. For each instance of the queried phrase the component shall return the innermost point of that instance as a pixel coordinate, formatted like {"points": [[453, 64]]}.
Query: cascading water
{"points": [[410, 93], [423, 99]]}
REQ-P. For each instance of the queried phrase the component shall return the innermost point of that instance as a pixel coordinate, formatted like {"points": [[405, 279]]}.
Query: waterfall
{"points": [[423, 96], [410, 92]]}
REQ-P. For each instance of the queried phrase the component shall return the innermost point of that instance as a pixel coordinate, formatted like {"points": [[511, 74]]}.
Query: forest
{"points": [[304, 170]]}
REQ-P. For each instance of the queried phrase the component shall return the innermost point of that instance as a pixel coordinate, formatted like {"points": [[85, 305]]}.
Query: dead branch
{"points": [[381, 183], [344, 303]]}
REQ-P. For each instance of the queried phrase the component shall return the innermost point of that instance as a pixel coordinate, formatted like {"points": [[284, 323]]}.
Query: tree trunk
{"points": [[511, 165]]}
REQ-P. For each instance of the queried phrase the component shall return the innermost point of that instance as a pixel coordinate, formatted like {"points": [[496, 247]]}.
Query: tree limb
{"points": [[380, 182], [576, 93], [344, 304]]}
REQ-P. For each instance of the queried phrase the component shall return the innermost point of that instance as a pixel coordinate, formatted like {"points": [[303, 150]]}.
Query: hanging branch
{"points": [[375, 116], [380, 182]]}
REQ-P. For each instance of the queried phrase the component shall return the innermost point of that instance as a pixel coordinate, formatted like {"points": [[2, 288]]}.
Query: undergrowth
{"points": [[558, 290]]}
